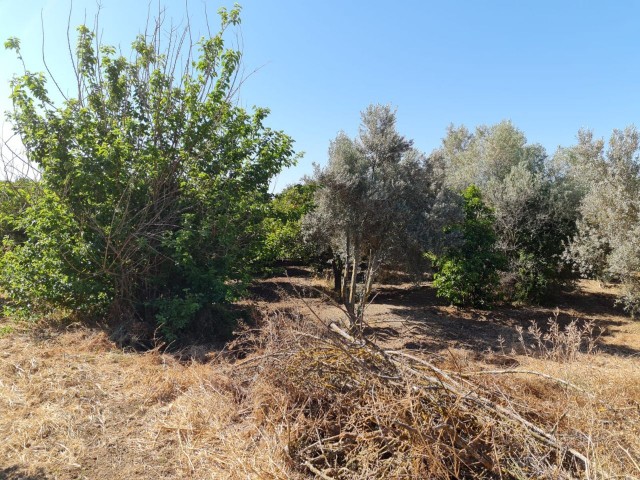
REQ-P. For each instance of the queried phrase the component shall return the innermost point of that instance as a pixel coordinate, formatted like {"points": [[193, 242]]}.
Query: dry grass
{"points": [[562, 344], [289, 400], [369, 415], [74, 406], [594, 405]]}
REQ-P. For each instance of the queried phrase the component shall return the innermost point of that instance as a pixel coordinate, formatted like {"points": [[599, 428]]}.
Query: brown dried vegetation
{"points": [[294, 399]]}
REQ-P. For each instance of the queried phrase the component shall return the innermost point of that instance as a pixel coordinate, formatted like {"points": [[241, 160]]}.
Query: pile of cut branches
{"points": [[360, 412]]}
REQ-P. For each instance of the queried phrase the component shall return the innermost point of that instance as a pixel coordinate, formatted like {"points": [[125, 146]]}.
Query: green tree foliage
{"points": [[15, 197], [283, 226], [468, 272], [534, 204], [378, 201], [155, 183], [607, 243]]}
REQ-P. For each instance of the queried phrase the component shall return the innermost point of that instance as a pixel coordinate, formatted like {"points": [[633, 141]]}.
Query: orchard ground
{"points": [[75, 405]]}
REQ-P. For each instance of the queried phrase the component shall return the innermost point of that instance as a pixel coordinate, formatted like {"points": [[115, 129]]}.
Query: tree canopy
{"points": [[378, 200], [152, 202], [607, 242], [154, 182], [533, 204]]}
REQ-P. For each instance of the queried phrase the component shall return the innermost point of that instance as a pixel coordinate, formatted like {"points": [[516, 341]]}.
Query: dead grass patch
{"points": [[290, 400]]}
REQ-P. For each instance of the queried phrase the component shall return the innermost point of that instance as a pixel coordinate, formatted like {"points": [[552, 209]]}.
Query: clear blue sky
{"points": [[551, 67]]}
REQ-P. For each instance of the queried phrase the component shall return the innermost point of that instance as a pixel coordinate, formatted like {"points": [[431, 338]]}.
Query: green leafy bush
{"points": [[283, 226], [534, 278], [154, 185], [15, 198], [534, 202], [467, 273]]}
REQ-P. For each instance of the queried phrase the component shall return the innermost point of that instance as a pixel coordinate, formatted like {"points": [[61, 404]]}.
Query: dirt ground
{"points": [[409, 316], [74, 405]]}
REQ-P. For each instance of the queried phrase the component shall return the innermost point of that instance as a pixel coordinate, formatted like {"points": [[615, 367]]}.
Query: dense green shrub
{"points": [[467, 273], [15, 198], [155, 185], [283, 225], [533, 278], [534, 203]]}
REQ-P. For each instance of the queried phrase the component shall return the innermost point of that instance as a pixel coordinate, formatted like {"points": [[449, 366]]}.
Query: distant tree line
{"points": [[496, 216], [152, 201]]}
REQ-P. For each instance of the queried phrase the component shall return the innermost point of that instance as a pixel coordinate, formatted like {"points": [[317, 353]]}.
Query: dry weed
{"points": [[366, 420], [558, 343], [74, 406], [292, 400]]}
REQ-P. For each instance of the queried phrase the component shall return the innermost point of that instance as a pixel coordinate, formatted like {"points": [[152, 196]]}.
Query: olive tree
{"points": [[533, 204], [378, 201], [154, 182], [607, 242]]}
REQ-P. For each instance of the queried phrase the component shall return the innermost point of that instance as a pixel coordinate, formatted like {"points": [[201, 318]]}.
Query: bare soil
{"points": [[410, 316]]}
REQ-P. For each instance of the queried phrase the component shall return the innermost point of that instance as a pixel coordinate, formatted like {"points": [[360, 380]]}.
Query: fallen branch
{"points": [[526, 372], [452, 385], [317, 472]]}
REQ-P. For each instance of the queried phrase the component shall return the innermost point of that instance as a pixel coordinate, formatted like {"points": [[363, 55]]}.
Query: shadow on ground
{"points": [[433, 325], [279, 289], [17, 473], [294, 282]]}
